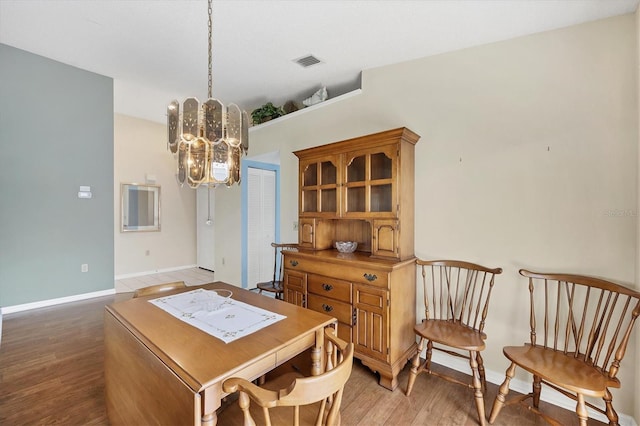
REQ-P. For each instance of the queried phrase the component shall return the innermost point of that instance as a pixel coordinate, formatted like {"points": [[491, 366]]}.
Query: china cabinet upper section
{"points": [[362, 180], [357, 178]]}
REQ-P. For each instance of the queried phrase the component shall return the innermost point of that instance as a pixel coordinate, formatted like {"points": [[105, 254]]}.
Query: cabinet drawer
{"points": [[329, 287], [345, 272], [339, 310], [369, 276]]}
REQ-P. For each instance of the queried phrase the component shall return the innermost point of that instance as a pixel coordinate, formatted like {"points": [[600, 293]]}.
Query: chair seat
{"points": [[272, 286], [451, 333], [563, 370]]}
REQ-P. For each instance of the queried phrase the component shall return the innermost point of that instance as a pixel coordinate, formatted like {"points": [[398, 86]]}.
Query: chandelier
{"points": [[209, 139]]}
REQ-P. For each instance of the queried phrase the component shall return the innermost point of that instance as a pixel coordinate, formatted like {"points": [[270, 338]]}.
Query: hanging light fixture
{"points": [[209, 138]]}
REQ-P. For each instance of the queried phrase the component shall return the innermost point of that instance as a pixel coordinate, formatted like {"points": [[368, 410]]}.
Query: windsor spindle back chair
{"points": [[325, 390], [580, 327], [456, 302]]}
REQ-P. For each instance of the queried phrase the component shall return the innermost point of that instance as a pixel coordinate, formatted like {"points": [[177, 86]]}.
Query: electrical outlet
{"points": [[295, 226], [84, 267], [223, 260], [147, 253]]}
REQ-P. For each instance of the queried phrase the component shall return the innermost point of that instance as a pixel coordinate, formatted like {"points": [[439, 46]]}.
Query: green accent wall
{"points": [[56, 134]]}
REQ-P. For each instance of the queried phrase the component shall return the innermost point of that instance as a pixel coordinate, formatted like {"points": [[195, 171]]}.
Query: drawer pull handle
{"points": [[327, 287], [370, 277], [293, 262], [327, 308]]}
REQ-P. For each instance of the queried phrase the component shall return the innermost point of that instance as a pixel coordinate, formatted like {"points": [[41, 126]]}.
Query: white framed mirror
{"points": [[140, 207]]}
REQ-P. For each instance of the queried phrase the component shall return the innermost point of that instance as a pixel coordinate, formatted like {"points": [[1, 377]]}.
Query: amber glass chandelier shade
{"points": [[209, 141]]}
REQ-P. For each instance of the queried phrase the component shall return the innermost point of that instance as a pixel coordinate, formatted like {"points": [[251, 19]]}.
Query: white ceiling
{"points": [[156, 50]]}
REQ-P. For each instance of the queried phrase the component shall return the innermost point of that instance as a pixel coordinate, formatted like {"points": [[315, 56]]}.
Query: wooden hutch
{"points": [[362, 190]]}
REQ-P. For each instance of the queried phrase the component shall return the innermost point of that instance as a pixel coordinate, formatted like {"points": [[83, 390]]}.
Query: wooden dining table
{"points": [[161, 370]]}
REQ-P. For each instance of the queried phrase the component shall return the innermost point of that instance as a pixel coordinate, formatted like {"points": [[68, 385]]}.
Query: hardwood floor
{"points": [[51, 373]]}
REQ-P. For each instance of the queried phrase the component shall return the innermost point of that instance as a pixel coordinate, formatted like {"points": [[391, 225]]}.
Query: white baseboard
{"points": [[51, 302], [157, 271], [44, 303], [548, 395]]}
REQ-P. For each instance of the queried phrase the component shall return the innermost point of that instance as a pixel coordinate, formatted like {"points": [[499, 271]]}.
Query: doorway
{"points": [[260, 220]]}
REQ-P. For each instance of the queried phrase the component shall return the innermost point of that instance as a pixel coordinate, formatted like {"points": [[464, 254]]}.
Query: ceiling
{"points": [[156, 50]]}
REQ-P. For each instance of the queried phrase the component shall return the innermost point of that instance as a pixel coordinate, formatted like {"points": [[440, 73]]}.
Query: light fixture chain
{"points": [[210, 10]]}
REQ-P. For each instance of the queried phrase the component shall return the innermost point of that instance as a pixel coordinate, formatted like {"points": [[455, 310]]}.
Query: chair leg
{"points": [[427, 364], [483, 378], [581, 410], [502, 393], [537, 387], [610, 412], [477, 386], [415, 365], [244, 402]]}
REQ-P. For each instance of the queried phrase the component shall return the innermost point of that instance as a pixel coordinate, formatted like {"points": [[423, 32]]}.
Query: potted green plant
{"points": [[266, 112]]}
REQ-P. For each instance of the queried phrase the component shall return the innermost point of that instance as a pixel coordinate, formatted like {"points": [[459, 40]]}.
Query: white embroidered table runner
{"points": [[221, 317]]}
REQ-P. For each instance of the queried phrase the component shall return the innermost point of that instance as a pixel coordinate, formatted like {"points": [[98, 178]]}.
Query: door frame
{"points": [[245, 165]]}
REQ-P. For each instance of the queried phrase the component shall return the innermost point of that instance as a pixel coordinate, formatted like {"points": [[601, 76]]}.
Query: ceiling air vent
{"points": [[307, 61]]}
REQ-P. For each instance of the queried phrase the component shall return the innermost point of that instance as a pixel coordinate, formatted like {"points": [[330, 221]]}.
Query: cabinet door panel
{"points": [[370, 334], [385, 238], [295, 287], [371, 330], [306, 231], [315, 233], [371, 185], [319, 187]]}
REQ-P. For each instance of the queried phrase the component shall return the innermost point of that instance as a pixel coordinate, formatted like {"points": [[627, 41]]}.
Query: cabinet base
{"points": [[389, 372]]}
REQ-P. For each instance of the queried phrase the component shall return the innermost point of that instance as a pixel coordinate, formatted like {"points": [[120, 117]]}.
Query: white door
{"points": [[261, 224]]}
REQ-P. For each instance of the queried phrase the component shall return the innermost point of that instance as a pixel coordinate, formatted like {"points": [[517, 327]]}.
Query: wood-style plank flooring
{"points": [[51, 373]]}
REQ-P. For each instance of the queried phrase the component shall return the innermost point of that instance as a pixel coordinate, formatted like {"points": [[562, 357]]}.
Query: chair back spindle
{"points": [[158, 289], [457, 291], [275, 285]]}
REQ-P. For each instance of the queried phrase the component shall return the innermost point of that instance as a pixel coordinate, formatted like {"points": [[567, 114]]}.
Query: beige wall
{"points": [[228, 244], [637, 392], [140, 150], [528, 158]]}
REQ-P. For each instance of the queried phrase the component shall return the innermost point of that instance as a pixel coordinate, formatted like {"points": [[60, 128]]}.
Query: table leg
{"points": [[212, 400], [210, 419], [316, 354]]}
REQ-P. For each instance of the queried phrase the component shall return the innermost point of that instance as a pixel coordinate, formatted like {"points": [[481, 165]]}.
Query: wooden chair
{"points": [[325, 390], [159, 288], [456, 301], [275, 285], [580, 327]]}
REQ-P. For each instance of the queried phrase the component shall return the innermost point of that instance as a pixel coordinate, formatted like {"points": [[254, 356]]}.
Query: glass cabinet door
{"points": [[369, 182], [319, 187], [355, 184]]}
